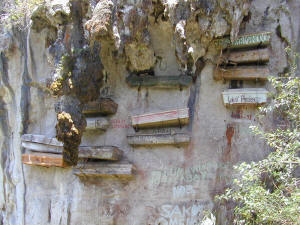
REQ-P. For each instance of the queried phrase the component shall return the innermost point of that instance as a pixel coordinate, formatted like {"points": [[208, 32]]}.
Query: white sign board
{"points": [[245, 96]]}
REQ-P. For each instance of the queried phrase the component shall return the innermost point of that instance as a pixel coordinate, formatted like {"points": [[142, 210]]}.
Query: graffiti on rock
{"points": [[182, 191], [184, 176], [186, 214]]}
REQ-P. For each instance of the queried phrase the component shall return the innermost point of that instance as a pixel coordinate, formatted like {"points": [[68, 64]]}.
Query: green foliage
{"points": [[19, 12], [208, 219], [267, 191]]}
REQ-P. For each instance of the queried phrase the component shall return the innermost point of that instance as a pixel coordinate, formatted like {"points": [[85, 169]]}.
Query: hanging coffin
{"points": [[96, 169], [159, 119], [250, 40], [44, 159], [242, 73], [45, 145], [245, 96], [104, 106], [97, 123], [100, 152], [244, 57], [159, 81], [158, 139]]}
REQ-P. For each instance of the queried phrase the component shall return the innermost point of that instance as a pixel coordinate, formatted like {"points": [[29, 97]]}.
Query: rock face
{"points": [[79, 52]]}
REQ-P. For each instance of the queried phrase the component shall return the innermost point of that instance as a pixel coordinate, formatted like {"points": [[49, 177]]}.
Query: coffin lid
{"points": [[246, 91]]}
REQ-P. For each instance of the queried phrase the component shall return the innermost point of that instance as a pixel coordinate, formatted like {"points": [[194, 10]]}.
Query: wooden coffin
{"points": [[159, 81], [245, 96], [100, 169], [242, 73], [249, 40], [44, 159], [104, 106], [248, 56], [97, 123], [167, 118], [158, 139], [42, 144], [100, 152]]}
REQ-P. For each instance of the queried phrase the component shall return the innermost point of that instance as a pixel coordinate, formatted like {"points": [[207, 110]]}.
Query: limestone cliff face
{"points": [[74, 52]]}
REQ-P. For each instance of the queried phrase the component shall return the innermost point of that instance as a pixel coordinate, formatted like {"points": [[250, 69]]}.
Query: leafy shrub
{"points": [[267, 191], [18, 13]]}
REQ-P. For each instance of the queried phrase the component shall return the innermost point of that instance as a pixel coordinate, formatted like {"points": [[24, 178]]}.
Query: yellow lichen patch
{"points": [[56, 86]]}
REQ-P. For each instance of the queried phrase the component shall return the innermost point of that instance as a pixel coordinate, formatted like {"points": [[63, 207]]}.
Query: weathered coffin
{"points": [[97, 123], [172, 117], [100, 152], [242, 73], [42, 144], [247, 56], [159, 81], [250, 40], [41, 147], [100, 169], [104, 106], [245, 96], [37, 138], [158, 139], [44, 159]]}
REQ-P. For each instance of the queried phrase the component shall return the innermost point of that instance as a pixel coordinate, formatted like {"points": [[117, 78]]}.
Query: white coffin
{"points": [[245, 96]]}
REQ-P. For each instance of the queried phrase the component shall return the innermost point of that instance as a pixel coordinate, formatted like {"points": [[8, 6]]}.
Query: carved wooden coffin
{"points": [[172, 117], [248, 56], [159, 139], [43, 144], [100, 169], [97, 123], [104, 106], [44, 159], [250, 40], [159, 81], [245, 96], [242, 73]]}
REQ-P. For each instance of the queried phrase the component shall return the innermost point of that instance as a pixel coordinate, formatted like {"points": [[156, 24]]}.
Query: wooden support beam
{"points": [[100, 169], [248, 56], [104, 106], [242, 73], [167, 118], [44, 159], [249, 40], [159, 139], [159, 81], [43, 144], [245, 96], [100, 152], [97, 123]]}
